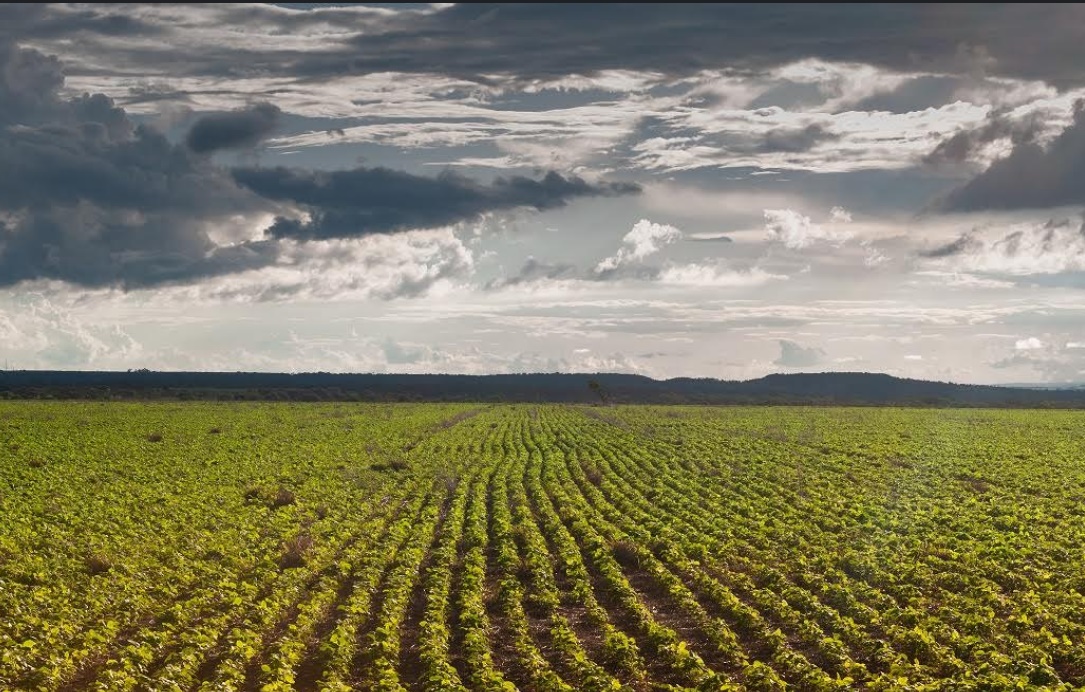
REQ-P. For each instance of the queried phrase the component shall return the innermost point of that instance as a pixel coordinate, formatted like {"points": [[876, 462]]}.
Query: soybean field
{"points": [[320, 546]]}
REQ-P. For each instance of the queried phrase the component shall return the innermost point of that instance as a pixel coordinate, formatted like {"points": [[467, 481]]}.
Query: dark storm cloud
{"points": [[1031, 177], [240, 129], [98, 248], [88, 197], [545, 40], [22, 21], [484, 42], [93, 210], [365, 201]]}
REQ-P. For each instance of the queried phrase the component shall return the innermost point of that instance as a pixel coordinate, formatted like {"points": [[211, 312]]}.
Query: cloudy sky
{"points": [[719, 191]]}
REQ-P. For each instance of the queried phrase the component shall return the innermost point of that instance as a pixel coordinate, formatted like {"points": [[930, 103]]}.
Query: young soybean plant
{"points": [[404, 547]]}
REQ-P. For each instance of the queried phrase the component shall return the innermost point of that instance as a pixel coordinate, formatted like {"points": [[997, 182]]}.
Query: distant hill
{"points": [[855, 388]]}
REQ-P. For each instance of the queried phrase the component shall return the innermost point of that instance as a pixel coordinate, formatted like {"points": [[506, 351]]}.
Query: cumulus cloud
{"points": [[645, 239], [1029, 344], [364, 201], [1048, 248], [797, 231], [794, 355], [240, 129]]}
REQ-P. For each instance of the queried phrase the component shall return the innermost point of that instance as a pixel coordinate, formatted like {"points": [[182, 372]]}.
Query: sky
{"points": [[672, 190]]}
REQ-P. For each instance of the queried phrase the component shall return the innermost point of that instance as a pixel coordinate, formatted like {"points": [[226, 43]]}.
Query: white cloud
{"points": [[1052, 363], [40, 331], [841, 84], [644, 240], [873, 257], [686, 202], [839, 215], [963, 280], [794, 355], [1075, 344], [1028, 248], [797, 231], [911, 356], [409, 264], [860, 140], [709, 275], [578, 363]]}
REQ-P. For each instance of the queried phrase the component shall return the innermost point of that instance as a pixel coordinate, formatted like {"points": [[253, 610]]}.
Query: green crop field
{"points": [[198, 546]]}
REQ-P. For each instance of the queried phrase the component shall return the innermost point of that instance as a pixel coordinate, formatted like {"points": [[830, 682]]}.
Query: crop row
{"points": [[551, 548]]}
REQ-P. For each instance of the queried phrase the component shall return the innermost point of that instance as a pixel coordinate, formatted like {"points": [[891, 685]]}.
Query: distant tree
{"points": [[597, 388]]}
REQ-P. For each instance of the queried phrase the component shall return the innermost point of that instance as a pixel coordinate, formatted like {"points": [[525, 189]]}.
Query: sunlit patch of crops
{"points": [[207, 546]]}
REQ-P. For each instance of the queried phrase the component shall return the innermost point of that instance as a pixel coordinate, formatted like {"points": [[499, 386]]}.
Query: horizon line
{"points": [[1007, 385]]}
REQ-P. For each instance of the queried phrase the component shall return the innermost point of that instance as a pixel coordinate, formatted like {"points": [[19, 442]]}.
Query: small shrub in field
{"points": [[626, 553], [97, 563], [154, 437], [36, 463], [393, 464], [294, 551], [283, 497], [974, 482], [214, 431], [273, 499], [594, 476], [321, 511]]}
